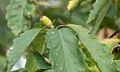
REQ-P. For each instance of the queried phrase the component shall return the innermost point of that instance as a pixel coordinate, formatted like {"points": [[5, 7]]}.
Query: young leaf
{"points": [[64, 53], [99, 52], [16, 11], [19, 46]]}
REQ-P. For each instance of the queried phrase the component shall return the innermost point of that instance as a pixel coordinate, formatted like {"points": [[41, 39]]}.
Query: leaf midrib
{"points": [[63, 49]]}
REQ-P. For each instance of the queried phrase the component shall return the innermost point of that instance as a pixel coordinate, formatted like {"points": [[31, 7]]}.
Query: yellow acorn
{"points": [[46, 21], [72, 4]]}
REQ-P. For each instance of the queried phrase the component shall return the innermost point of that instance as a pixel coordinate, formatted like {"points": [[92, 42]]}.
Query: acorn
{"points": [[46, 21], [72, 4]]}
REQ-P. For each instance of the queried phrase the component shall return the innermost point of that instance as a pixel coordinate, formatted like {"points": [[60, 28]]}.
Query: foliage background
{"points": [[58, 14], [6, 35]]}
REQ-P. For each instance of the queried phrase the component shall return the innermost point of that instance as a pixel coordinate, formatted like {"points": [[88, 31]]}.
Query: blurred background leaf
{"points": [[5, 34]]}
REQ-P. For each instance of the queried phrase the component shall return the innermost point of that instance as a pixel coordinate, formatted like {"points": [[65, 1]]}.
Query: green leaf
{"points": [[20, 70], [42, 64], [16, 12], [118, 64], [2, 63], [39, 42], [99, 52], [20, 45], [35, 62], [64, 52], [49, 70], [117, 6], [117, 10], [30, 64], [89, 60], [97, 14]]}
